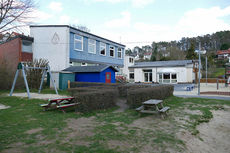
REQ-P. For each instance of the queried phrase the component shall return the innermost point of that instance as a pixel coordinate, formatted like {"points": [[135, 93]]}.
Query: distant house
{"points": [[223, 54], [99, 73], [16, 48], [66, 46], [179, 71], [147, 55]]}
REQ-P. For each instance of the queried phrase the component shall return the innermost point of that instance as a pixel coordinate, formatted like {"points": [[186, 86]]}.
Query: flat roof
{"points": [[161, 63], [81, 69], [77, 30]]}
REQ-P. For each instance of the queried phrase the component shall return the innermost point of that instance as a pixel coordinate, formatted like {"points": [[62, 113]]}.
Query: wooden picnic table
{"points": [[153, 106], [59, 103]]}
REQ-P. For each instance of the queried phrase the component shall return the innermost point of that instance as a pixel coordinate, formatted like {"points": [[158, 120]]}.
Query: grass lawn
{"points": [[25, 127], [217, 72]]}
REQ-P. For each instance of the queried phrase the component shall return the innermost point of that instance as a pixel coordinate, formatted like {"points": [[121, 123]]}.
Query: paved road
{"points": [[207, 97]]}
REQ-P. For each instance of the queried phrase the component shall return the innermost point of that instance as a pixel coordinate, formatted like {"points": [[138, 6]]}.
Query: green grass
{"points": [[217, 72], [24, 115]]}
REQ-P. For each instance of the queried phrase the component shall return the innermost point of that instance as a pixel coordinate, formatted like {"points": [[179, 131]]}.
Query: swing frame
{"points": [[23, 66]]}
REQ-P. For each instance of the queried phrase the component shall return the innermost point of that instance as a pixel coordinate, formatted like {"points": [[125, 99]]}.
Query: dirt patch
{"points": [[77, 129], [121, 145], [32, 131], [39, 96], [214, 135], [193, 112], [121, 103], [4, 106]]}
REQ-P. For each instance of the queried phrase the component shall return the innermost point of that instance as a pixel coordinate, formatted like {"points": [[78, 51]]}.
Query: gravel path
{"points": [[39, 96]]}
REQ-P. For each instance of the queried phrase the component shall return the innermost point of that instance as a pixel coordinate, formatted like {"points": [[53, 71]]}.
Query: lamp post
{"points": [[201, 52]]}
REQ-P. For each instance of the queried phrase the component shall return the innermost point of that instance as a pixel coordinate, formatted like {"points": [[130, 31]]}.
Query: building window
{"points": [[167, 77], [111, 51], [130, 60], [131, 76], [83, 64], [148, 75], [78, 42], [92, 46], [173, 78], [102, 48], [119, 52]]}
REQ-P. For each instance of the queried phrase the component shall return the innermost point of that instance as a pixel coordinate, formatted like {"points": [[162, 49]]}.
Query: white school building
{"points": [[178, 71]]}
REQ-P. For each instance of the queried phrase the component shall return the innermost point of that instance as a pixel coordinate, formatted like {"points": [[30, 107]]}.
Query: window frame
{"points": [[81, 41], [119, 52], [113, 51], [100, 48], [93, 44]]}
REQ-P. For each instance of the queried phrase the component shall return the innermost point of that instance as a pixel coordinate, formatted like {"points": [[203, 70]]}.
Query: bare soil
{"points": [[213, 137]]}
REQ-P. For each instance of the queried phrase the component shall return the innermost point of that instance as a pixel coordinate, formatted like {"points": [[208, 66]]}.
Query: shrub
{"points": [[7, 77], [34, 76], [92, 84], [95, 100], [135, 97], [124, 89]]}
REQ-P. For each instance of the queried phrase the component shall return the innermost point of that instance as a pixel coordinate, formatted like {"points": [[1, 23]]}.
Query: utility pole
{"points": [[206, 62], [199, 73]]}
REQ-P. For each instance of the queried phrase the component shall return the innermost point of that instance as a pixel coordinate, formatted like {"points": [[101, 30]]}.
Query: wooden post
{"points": [[68, 84], [217, 84]]}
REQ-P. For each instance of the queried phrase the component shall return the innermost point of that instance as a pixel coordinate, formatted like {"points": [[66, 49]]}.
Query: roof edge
{"points": [[79, 31]]}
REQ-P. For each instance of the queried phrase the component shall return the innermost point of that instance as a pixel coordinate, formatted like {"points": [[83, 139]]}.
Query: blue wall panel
{"points": [[87, 77], [95, 77], [85, 56]]}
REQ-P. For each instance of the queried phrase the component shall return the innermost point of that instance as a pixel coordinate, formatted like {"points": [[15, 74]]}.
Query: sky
{"points": [[138, 22]]}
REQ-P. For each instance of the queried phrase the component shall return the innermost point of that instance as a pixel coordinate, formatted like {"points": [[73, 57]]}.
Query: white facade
{"points": [[128, 61], [51, 43], [163, 71], [173, 74]]}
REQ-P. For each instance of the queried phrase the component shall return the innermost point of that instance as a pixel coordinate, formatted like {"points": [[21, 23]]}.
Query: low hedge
{"points": [[135, 97], [92, 84], [95, 100], [123, 90], [80, 90]]}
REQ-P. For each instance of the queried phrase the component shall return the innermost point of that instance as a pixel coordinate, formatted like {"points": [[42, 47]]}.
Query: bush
{"points": [[124, 89], [92, 84], [95, 100], [135, 97], [7, 77]]}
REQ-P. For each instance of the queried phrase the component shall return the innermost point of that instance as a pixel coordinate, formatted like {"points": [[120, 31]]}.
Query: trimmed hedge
{"points": [[123, 90], [92, 84], [95, 100], [135, 97]]}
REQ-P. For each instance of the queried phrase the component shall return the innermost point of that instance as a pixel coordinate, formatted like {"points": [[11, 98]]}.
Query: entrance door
{"points": [[108, 77]]}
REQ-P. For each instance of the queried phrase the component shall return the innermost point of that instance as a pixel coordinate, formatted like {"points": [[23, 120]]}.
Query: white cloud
{"points": [[124, 21], [193, 23], [135, 3], [202, 21], [141, 3], [55, 6]]}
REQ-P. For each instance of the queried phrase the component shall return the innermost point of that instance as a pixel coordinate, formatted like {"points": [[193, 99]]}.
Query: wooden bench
{"points": [[140, 108], [164, 109], [59, 103]]}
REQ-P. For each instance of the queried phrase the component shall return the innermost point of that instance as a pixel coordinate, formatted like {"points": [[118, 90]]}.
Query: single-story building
{"points": [[98, 73], [178, 71], [16, 48]]}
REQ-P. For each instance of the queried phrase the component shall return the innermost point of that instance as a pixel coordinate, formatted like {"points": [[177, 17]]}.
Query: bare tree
{"points": [[15, 14], [81, 27]]}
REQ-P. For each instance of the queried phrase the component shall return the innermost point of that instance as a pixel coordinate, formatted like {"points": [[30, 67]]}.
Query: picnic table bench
{"points": [[59, 103], [153, 106]]}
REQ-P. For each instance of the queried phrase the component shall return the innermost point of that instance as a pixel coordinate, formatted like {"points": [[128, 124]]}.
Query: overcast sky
{"points": [[139, 22]]}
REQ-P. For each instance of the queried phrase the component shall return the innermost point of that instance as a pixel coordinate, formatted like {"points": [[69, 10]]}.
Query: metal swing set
{"points": [[23, 66]]}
